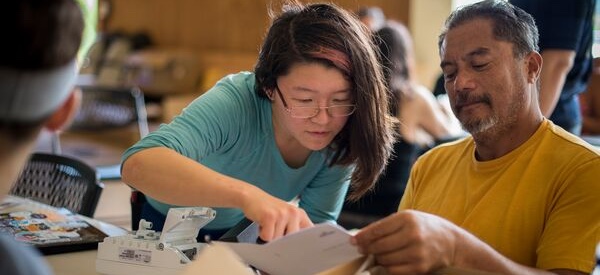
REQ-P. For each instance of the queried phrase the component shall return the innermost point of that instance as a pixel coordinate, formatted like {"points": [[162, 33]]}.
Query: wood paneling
{"points": [[219, 25]]}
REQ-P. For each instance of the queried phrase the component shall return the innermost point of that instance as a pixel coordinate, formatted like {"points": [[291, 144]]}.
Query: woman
{"points": [[309, 121], [423, 122], [423, 119]]}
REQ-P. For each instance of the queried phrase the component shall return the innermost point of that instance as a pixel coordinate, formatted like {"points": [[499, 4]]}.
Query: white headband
{"points": [[29, 96]]}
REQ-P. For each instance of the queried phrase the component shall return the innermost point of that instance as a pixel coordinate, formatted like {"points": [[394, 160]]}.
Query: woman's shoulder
{"points": [[239, 81], [235, 96], [242, 76], [238, 87]]}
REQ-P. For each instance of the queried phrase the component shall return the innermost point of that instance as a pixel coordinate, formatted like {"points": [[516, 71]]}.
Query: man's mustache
{"points": [[467, 99]]}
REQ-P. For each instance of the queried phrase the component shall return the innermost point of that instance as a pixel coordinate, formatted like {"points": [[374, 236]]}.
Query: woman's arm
{"points": [[188, 182], [172, 178]]}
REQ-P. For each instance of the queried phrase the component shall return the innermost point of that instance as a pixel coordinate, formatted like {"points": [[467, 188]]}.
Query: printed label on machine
{"points": [[135, 255]]}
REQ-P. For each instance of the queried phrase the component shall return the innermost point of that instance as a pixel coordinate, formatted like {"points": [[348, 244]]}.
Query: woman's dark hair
{"points": [[329, 35]]}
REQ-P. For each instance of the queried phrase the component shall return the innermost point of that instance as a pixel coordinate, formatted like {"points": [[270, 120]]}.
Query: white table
{"points": [[73, 263]]}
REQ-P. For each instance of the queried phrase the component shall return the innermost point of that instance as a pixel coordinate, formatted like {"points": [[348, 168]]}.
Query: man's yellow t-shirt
{"points": [[539, 205]]}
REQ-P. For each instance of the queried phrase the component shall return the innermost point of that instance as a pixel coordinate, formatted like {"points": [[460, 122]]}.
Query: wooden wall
{"points": [[225, 35], [216, 25]]}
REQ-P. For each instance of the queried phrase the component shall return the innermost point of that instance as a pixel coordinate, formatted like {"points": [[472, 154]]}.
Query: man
{"points": [[520, 195], [566, 36], [37, 72]]}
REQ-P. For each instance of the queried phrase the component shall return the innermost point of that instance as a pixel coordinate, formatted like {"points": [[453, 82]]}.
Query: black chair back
{"points": [[111, 107], [60, 181]]}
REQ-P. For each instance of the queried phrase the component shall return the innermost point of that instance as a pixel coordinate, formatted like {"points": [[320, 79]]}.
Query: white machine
{"points": [[149, 252]]}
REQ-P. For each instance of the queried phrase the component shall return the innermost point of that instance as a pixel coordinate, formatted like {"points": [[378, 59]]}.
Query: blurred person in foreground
{"points": [[37, 72], [520, 195]]}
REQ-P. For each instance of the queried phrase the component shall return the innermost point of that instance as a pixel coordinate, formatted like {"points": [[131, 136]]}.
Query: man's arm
{"points": [[556, 65], [414, 242]]}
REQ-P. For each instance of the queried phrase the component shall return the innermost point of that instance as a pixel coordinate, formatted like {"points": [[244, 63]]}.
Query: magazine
{"points": [[51, 230]]}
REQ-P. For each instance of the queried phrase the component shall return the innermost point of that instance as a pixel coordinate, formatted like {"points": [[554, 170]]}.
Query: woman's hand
{"points": [[275, 217]]}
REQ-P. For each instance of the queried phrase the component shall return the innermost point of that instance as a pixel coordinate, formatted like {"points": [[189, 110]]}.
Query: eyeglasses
{"points": [[312, 111]]}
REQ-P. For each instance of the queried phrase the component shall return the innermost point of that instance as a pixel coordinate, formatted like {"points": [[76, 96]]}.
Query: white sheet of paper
{"points": [[307, 251]]}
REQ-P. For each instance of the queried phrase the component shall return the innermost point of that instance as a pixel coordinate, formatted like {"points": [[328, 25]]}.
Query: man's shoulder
{"points": [[571, 142], [449, 150], [452, 146]]}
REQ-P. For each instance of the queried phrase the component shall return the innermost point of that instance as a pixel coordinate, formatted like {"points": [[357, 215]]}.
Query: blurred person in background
{"points": [[566, 38], [423, 123], [372, 17], [590, 104]]}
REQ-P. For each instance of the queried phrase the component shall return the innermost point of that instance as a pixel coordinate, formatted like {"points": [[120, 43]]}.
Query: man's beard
{"points": [[478, 126], [494, 124]]}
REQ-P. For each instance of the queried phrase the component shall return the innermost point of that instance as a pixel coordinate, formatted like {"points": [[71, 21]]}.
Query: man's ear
{"points": [[63, 116], [534, 66]]}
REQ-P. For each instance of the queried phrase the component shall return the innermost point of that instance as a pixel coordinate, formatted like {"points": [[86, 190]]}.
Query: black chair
{"points": [[137, 201], [111, 107], [108, 108], [59, 181]]}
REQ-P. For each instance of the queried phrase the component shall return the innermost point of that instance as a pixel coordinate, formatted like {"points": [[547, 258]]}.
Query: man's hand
{"points": [[409, 242]]}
